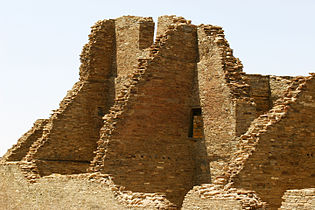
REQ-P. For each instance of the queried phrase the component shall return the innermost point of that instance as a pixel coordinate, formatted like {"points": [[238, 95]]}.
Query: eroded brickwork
{"points": [[19, 150], [224, 97], [260, 92], [164, 125], [283, 158], [164, 22], [209, 196], [276, 152], [299, 199], [157, 104], [133, 35], [278, 87], [83, 191], [70, 136]]}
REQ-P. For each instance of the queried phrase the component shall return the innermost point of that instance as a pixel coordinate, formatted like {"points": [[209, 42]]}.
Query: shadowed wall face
{"points": [[217, 108], [260, 91], [278, 86]]}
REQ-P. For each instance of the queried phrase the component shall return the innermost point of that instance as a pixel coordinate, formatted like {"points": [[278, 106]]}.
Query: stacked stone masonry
{"points": [[299, 199], [169, 124]]}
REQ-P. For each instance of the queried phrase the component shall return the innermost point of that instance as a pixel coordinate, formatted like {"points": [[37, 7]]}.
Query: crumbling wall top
{"points": [[166, 21]]}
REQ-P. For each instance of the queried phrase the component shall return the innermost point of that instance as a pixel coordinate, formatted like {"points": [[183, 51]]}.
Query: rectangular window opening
{"points": [[196, 124]]}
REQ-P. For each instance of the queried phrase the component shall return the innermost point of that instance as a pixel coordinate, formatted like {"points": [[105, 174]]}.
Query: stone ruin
{"points": [[169, 124]]}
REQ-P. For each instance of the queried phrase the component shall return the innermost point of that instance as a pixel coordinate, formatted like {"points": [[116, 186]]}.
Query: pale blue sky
{"points": [[40, 43]]}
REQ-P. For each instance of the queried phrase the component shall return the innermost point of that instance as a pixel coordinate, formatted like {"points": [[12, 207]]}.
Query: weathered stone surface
{"points": [[69, 192], [19, 150], [164, 125], [209, 196], [260, 91], [299, 199], [276, 153], [158, 105], [132, 36]]}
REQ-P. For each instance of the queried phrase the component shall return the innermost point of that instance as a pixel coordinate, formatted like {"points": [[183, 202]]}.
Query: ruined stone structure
{"points": [[169, 124]]}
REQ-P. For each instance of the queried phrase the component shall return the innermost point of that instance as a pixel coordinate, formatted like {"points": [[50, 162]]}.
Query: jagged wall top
{"points": [[97, 53]]}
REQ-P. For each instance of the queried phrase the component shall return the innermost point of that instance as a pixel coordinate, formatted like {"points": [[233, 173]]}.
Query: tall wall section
{"points": [[70, 136], [144, 143], [68, 140], [227, 109]]}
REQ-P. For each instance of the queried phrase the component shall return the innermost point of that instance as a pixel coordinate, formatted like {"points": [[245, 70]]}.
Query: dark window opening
{"points": [[196, 124], [100, 112]]}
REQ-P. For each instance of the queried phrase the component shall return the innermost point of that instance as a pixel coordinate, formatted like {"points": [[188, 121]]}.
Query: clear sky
{"points": [[41, 40]]}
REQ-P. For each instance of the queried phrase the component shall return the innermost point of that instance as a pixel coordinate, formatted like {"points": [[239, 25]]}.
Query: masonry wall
{"points": [[284, 157], [217, 107], [19, 150], [148, 150], [70, 136], [166, 20], [133, 34], [302, 199], [226, 109], [56, 192], [195, 202], [260, 91], [200, 156], [69, 139], [278, 86], [209, 196]]}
